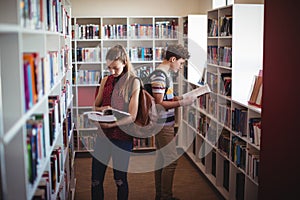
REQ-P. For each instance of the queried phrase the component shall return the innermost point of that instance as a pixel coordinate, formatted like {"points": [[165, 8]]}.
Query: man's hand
{"points": [[187, 101]]}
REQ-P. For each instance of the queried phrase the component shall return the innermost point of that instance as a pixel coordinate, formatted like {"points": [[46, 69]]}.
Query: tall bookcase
{"points": [[222, 132], [36, 128], [194, 38], [145, 39]]}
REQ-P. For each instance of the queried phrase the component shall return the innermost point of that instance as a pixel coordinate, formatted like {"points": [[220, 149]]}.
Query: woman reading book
{"points": [[115, 143]]}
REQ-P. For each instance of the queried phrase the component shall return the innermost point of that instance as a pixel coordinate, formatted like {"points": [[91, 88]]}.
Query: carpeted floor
{"points": [[189, 183]]}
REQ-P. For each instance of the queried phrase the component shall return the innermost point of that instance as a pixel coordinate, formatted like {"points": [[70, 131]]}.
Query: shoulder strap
{"points": [[130, 91], [165, 74], [167, 79]]}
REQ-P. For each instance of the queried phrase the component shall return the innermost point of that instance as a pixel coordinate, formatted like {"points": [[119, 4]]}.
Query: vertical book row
{"points": [[36, 100]]}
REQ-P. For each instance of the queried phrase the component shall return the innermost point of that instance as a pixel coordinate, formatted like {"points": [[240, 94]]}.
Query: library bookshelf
{"points": [[194, 38], [36, 132], [144, 38], [221, 131]]}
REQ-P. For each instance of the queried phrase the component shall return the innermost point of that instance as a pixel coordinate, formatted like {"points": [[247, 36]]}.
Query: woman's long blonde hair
{"points": [[118, 52]]}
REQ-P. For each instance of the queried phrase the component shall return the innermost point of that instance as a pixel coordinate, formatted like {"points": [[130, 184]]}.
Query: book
{"points": [[108, 115], [259, 97], [202, 89], [256, 91]]}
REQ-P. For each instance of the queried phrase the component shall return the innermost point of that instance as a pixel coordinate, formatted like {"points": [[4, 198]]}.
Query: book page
{"points": [[99, 117], [116, 111], [108, 115], [197, 92]]}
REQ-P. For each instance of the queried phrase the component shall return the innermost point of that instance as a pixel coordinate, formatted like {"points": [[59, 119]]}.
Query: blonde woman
{"points": [[113, 92]]}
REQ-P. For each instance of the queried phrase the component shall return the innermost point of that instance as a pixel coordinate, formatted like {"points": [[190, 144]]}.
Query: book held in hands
{"points": [[202, 89], [108, 115]]}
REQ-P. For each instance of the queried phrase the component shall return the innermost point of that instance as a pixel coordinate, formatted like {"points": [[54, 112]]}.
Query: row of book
{"points": [[93, 54], [56, 19], [255, 130], [38, 142], [224, 80], [114, 31], [212, 27], [88, 54], [50, 180], [211, 132], [164, 29], [67, 129], [36, 145], [140, 31], [253, 165], [225, 84], [85, 31], [239, 121], [141, 53], [40, 74], [225, 23], [224, 115], [224, 142], [88, 77], [144, 71], [83, 121], [224, 26], [219, 55], [235, 119], [143, 142], [212, 81], [252, 171], [225, 56], [238, 152], [211, 106]]}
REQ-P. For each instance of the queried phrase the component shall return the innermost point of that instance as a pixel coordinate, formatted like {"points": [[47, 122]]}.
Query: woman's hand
{"points": [[107, 125], [101, 109]]}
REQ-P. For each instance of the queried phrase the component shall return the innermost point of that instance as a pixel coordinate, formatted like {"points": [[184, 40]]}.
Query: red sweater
{"points": [[112, 97]]}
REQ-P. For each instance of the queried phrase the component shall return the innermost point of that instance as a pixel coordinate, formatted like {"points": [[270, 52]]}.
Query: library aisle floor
{"points": [[189, 183]]}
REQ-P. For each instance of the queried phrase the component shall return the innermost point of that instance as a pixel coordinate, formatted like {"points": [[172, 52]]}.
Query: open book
{"points": [[202, 89], [108, 115]]}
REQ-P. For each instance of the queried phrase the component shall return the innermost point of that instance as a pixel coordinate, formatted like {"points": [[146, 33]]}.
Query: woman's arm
{"points": [[99, 98]]}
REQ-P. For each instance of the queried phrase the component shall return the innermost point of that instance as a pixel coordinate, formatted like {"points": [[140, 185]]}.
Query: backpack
{"points": [[145, 124]]}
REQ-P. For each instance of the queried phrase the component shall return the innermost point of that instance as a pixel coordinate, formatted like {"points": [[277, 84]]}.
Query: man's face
{"points": [[177, 64]]}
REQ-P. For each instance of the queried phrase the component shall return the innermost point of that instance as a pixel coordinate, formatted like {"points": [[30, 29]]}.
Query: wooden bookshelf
{"points": [[36, 126]]}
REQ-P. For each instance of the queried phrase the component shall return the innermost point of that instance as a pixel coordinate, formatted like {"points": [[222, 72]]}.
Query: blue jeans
{"points": [[104, 150]]}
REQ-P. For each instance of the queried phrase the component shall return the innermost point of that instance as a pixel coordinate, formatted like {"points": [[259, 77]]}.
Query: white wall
{"points": [[139, 7]]}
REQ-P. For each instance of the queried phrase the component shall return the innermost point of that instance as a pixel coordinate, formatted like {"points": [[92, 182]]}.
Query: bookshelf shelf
{"points": [[146, 34], [225, 127], [35, 99]]}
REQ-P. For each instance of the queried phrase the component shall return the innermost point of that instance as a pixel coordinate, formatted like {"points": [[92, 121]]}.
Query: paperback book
{"points": [[108, 115], [202, 89]]}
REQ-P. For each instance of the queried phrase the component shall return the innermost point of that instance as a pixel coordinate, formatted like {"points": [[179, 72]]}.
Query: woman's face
{"points": [[115, 67]]}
